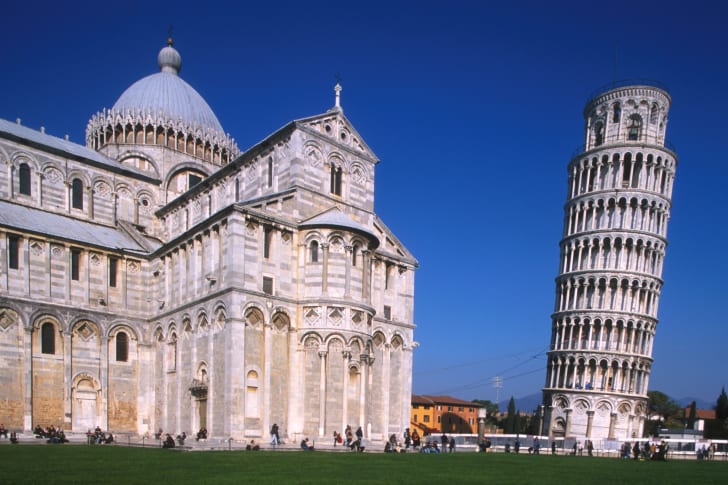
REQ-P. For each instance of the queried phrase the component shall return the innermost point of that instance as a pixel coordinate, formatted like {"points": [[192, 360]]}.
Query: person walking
{"points": [[274, 438]]}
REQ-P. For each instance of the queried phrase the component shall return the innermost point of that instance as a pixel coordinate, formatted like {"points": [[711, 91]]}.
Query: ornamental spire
{"points": [[337, 90]]}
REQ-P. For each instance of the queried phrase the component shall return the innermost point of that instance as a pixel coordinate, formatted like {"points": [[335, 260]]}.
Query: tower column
{"points": [[589, 423]]}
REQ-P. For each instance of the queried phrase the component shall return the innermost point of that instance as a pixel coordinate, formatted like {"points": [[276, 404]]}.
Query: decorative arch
{"points": [[311, 341], [281, 321], [139, 161], [254, 316]]}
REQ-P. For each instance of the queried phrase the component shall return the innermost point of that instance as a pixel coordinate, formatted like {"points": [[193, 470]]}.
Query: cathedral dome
{"points": [[166, 94], [162, 109]]}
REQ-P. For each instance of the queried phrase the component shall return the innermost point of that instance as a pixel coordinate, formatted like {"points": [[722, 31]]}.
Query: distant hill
{"points": [[526, 403], [699, 403]]}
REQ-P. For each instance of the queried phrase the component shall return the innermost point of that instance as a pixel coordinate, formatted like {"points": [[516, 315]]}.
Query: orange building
{"points": [[443, 414]]}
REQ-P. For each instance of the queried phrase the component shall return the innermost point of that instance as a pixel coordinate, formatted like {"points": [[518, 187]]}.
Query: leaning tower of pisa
{"points": [[610, 274]]}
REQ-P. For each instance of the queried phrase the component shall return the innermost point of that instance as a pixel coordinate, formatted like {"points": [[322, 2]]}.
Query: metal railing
{"points": [[622, 83], [622, 138]]}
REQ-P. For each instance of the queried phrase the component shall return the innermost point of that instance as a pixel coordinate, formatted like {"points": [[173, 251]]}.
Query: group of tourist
{"points": [[4, 434], [98, 437], [648, 451], [353, 444], [51, 433], [705, 452], [578, 448], [411, 439]]}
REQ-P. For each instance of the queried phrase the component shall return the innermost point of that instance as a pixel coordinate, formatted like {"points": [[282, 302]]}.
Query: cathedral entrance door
{"points": [[84, 406]]}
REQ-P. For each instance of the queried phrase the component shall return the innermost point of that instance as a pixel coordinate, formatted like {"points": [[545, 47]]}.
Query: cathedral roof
{"points": [[167, 95], [23, 134], [38, 221], [335, 218]]}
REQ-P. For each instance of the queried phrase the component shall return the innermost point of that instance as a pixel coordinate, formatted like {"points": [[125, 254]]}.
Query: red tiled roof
{"points": [[422, 399], [701, 413]]}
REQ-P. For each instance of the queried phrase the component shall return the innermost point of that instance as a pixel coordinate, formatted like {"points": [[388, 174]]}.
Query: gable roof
{"points": [[338, 130]]}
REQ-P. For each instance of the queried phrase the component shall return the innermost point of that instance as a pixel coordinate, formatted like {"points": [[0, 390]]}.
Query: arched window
{"points": [[122, 347], [270, 172], [653, 113], [335, 180], [77, 194], [635, 127], [617, 113], [314, 251], [48, 338], [598, 133], [354, 252], [267, 234], [24, 179]]}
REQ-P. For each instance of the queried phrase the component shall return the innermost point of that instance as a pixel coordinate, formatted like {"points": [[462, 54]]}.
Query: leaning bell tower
{"points": [[610, 272]]}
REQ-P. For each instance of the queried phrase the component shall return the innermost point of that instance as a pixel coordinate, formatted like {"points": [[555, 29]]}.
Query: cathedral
{"points": [[159, 277]]}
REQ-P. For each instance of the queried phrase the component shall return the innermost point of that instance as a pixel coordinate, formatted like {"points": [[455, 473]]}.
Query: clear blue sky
{"points": [[473, 109]]}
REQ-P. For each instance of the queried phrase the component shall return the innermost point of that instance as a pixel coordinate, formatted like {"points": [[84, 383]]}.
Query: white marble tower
{"points": [[610, 274]]}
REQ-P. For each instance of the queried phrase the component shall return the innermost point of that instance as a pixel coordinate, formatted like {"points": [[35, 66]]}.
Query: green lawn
{"points": [[115, 464]]}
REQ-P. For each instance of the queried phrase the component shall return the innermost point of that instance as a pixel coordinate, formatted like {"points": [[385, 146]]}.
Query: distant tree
{"points": [[510, 424], [661, 405], [491, 409], [692, 416], [534, 423], [721, 406]]}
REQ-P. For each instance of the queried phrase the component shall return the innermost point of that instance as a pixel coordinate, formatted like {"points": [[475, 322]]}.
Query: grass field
{"points": [[100, 464]]}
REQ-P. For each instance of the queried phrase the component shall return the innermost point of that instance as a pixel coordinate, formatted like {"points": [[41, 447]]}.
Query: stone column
{"points": [[365, 281], [630, 426], [368, 390], [210, 414], [104, 382], [386, 391], [67, 378], [234, 391], [90, 196], [347, 277], [364, 362], [325, 269], [322, 391], [28, 377], [268, 353], [39, 188], [346, 354], [589, 422], [124, 281], [567, 426], [612, 424]]}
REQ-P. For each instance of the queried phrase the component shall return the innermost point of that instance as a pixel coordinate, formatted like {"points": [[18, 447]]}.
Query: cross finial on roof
{"points": [[337, 90], [169, 33]]}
